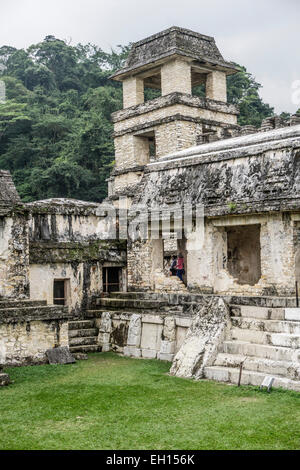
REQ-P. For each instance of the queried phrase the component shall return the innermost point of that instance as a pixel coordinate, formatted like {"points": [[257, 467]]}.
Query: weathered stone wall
{"points": [[26, 342], [14, 248], [14, 256], [207, 263], [258, 175]]}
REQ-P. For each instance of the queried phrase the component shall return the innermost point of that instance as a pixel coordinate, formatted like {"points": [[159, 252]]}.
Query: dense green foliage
{"points": [[55, 128], [112, 402]]}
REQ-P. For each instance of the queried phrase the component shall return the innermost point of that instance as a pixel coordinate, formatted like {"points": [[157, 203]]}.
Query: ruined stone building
{"points": [[65, 280]]}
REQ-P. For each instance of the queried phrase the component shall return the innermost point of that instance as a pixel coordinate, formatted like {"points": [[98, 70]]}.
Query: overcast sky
{"points": [[263, 35]]}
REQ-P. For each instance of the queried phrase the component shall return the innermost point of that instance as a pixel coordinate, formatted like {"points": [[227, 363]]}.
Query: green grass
{"points": [[112, 402]]}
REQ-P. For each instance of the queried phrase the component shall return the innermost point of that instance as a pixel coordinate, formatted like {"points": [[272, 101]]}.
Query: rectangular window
{"points": [[60, 292], [112, 279]]}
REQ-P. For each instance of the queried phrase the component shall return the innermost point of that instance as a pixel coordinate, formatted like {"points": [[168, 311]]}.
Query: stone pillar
{"points": [[105, 329], [178, 135], [139, 265], [167, 345], [176, 76], [133, 91], [216, 87], [134, 336]]}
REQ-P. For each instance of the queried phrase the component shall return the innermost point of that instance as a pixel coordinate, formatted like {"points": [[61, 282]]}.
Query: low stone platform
{"points": [[263, 332], [28, 328]]}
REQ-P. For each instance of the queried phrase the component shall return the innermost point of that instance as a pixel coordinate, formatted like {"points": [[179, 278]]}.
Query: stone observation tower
{"points": [[66, 279], [173, 61]]}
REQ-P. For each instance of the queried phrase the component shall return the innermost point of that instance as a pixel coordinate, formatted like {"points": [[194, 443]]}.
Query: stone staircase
{"points": [[267, 341], [83, 336], [138, 302]]}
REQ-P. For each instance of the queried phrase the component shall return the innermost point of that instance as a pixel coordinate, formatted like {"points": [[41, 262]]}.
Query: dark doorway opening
{"points": [[59, 292], [243, 253], [112, 279]]}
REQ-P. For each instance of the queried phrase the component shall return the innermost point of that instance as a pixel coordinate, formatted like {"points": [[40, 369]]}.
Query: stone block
{"points": [[105, 347], [149, 353], [167, 347], [4, 379], [132, 351], [103, 338], [60, 355], [80, 356], [165, 357], [151, 336]]}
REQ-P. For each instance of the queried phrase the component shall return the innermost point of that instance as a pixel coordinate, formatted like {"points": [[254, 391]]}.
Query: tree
{"points": [[243, 90]]}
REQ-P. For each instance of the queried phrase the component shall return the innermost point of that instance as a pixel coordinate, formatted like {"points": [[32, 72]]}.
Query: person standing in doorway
{"points": [[173, 269], [180, 266]]}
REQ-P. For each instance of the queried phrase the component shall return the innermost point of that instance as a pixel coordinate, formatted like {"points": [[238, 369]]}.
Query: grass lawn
{"points": [[112, 402]]}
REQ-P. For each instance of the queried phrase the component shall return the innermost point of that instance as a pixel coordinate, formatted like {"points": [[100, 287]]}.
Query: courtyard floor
{"points": [[112, 402]]}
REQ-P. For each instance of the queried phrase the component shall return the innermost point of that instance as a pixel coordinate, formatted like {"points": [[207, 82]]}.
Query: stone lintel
{"points": [[171, 99], [176, 117]]}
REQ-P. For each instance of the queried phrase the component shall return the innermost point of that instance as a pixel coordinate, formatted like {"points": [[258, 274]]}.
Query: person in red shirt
{"points": [[180, 266]]}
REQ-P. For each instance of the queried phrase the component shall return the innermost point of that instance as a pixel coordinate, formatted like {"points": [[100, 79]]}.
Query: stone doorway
{"points": [[244, 253]]}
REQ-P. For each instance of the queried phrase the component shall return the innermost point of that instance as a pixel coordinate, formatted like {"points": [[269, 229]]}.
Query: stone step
{"points": [[85, 348], [81, 324], [292, 314], [83, 340], [262, 337], [266, 301], [273, 326], [4, 304], [132, 303], [47, 312], [262, 313], [231, 375], [83, 332], [258, 364], [133, 295], [275, 353]]}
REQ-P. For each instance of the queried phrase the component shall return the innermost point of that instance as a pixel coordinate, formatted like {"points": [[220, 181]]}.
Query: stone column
{"points": [[133, 91], [216, 87], [176, 76]]}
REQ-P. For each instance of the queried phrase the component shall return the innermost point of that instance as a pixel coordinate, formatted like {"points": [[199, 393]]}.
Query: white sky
{"points": [[263, 35]]}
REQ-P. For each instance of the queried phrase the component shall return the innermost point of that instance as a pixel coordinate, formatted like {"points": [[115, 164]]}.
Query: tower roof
{"points": [[174, 41]]}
